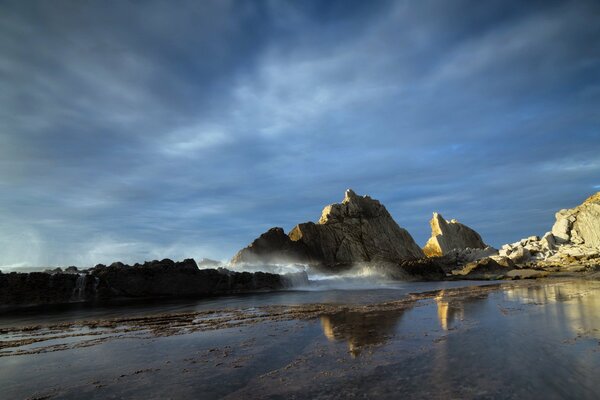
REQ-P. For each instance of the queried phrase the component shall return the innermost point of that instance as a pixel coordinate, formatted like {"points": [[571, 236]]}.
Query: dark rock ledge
{"points": [[164, 278]]}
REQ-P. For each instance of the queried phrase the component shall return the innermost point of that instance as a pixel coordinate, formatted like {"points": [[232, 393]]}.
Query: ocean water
{"points": [[537, 339]]}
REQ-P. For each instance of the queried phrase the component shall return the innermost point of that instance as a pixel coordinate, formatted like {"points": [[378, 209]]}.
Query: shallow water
{"points": [[517, 340]]}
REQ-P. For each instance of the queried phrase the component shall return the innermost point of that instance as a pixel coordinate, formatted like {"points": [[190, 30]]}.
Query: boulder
{"points": [[447, 236], [359, 229], [520, 255]]}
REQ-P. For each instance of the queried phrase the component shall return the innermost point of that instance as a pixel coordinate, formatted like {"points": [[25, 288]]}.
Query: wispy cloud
{"points": [[158, 131]]}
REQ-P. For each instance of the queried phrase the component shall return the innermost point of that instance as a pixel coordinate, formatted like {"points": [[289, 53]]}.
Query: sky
{"points": [[139, 130]]}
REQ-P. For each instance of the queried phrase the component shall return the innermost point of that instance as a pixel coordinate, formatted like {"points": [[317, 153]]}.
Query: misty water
{"points": [[365, 340]]}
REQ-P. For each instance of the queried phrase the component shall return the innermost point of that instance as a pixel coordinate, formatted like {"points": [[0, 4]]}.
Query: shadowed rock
{"points": [[164, 278]]}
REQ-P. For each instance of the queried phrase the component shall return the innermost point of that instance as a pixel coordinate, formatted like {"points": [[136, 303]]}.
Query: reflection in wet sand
{"points": [[360, 329], [451, 309], [448, 313], [571, 306]]}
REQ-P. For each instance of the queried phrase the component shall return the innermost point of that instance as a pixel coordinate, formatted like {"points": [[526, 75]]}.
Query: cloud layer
{"points": [[131, 131]]}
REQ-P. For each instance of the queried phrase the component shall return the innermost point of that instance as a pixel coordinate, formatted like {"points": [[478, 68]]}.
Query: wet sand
{"points": [[534, 339]]}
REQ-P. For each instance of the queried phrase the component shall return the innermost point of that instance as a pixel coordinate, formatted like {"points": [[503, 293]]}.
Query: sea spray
{"points": [[360, 276]]}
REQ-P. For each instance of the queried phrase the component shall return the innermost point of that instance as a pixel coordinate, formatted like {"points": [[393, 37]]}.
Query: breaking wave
{"points": [[361, 276]]}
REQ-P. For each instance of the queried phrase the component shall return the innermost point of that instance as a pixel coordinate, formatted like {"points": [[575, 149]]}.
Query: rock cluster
{"points": [[359, 229], [447, 236], [164, 278], [574, 239]]}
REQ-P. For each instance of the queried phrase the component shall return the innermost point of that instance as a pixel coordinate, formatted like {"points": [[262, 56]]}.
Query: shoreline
{"points": [[181, 323]]}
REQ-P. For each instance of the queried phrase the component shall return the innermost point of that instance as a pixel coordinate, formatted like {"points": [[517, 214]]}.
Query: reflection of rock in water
{"points": [[571, 305], [360, 329], [448, 311], [452, 309]]}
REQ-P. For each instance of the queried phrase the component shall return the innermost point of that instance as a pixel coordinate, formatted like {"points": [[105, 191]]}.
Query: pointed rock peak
{"points": [[353, 206], [437, 223], [349, 196], [450, 235]]}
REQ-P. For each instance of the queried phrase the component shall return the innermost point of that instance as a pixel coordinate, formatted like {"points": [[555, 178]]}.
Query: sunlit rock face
{"points": [[580, 225], [574, 239], [359, 229], [355, 230], [450, 235]]}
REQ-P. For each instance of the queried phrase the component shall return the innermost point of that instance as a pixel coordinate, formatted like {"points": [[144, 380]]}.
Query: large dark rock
{"points": [[168, 278], [359, 229], [36, 288], [164, 278]]}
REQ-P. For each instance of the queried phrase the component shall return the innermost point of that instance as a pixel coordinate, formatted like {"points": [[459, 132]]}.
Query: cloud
{"points": [[158, 131]]}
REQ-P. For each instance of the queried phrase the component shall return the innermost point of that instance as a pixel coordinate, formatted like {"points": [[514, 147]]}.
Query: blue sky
{"points": [[134, 130]]}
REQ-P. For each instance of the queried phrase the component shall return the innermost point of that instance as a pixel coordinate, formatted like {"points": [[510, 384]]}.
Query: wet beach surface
{"points": [[527, 339]]}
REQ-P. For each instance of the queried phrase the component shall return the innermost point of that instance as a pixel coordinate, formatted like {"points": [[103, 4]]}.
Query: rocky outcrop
{"points": [[447, 236], [164, 278], [359, 229], [574, 239], [485, 269]]}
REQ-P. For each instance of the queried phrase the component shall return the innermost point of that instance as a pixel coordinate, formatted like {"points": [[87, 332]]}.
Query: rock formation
{"points": [[580, 225], [359, 229], [573, 241], [164, 278], [450, 235]]}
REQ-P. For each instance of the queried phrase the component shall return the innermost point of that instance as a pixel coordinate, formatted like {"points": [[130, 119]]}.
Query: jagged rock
{"points": [[465, 256], [450, 235], [575, 239], [520, 255], [359, 229], [548, 241]]}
